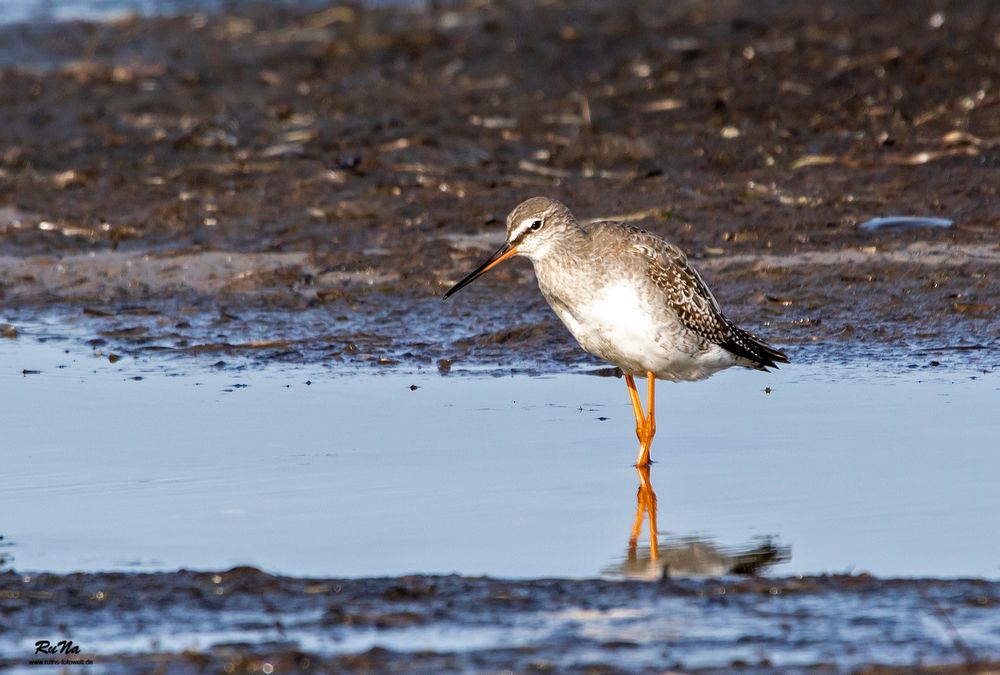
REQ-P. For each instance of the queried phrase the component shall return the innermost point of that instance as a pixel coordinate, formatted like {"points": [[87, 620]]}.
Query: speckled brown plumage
{"points": [[686, 293]]}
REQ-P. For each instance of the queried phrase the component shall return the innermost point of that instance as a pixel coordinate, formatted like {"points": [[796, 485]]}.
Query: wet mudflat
{"points": [[244, 620], [350, 163]]}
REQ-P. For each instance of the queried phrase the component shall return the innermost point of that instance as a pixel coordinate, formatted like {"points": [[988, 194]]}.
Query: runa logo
{"points": [[61, 647]]}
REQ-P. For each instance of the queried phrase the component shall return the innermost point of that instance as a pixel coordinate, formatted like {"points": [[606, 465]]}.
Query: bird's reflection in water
{"points": [[686, 556], [645, 509]]}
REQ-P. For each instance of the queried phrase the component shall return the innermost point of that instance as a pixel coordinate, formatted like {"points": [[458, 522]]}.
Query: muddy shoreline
{"points": [[129, 622], [348, 164]]}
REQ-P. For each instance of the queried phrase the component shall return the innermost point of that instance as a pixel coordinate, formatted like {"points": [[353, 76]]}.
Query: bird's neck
{"points": [[561, 255]]}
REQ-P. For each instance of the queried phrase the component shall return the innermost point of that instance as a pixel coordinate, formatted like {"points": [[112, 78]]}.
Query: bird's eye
{"points": [[536, 224]]}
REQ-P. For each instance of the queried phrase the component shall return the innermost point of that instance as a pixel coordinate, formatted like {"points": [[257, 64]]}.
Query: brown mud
{"points": [[303, 184]]}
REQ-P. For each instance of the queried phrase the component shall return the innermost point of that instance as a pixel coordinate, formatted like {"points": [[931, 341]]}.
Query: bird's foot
{"points": [[643, 459]]}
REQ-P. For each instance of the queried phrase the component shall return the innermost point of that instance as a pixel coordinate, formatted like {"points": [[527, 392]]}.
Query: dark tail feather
{"points": [[752, 348]]}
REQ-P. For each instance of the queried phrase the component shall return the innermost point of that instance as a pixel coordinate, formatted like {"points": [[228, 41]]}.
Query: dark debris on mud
{"points": [[556, 625], [353, 162]]}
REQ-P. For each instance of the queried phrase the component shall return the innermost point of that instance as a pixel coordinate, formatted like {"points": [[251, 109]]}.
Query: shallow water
{"points": [[12, 11], [16, 11], [141, 465]]}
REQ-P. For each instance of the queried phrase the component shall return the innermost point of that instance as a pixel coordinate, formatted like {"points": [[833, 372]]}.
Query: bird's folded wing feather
{"points": [[683, 289]]}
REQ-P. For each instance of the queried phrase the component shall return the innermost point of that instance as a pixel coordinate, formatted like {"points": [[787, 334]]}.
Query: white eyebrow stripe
{"points": [[522, 228]]}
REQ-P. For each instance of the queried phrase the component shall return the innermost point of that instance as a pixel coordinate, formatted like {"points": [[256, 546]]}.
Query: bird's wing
{"points": [[685, 293], [682, 288]]}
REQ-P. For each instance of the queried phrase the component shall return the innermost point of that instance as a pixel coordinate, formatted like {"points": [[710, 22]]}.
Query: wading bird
{"points": [[630, 298]]}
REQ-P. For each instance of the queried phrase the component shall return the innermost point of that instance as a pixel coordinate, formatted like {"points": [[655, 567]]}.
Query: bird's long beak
{"points": [[504, 252]]}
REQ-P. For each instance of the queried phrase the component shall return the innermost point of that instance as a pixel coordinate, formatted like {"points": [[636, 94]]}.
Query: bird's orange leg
{"points": [[644, 429], [640, 418], [651, 404], [645, 426]]}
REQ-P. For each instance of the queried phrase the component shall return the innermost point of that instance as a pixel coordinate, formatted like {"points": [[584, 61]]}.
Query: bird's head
{"points": [[533, 227]]}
